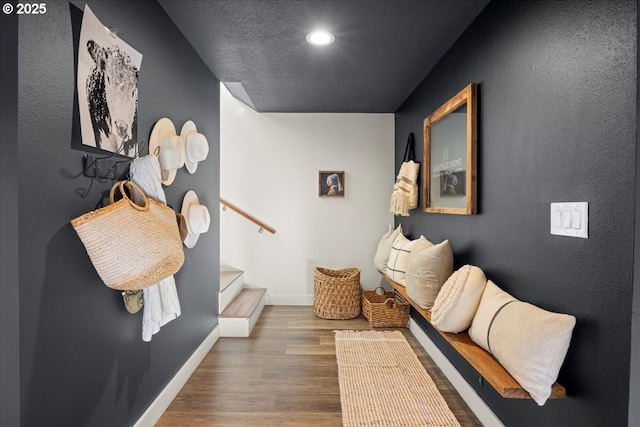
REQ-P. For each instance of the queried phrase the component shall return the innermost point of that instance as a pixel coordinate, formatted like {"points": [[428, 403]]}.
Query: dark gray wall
{"points": [[557, 122], [634, 381], [82, 359], [9, 323]]}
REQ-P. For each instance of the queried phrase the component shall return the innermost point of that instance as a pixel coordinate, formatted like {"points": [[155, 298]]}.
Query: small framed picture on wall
{"points": [[331, 184]]}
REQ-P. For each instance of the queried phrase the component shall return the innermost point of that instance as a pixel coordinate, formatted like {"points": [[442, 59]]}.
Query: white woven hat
{"points": [[168, 147], [196, 216], [196, 146]]}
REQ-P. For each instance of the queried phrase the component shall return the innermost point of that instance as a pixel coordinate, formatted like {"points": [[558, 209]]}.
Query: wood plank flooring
{"points": [[285, 374]]}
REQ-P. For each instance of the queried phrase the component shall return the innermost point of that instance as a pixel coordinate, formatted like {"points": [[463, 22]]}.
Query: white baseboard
{"points": [[468, 394], [166, 396], [289, 299]]}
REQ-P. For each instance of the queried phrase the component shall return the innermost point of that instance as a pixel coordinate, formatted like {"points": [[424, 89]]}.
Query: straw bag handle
{"points": [[131, 186]]}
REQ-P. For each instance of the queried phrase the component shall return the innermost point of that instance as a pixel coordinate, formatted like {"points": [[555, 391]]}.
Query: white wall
{"points": [[269, 164]]}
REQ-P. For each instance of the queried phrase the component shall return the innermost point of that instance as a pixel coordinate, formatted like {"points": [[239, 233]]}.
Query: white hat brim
{"points": [[188, 127], [163, 127], [189, 199], [191, 167]]}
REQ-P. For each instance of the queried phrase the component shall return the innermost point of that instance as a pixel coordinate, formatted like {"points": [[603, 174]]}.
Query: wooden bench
{"points": [[482, 361]]}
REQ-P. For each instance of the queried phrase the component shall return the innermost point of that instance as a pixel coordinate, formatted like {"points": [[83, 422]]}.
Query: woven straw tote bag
{"points": [[131, 246]]}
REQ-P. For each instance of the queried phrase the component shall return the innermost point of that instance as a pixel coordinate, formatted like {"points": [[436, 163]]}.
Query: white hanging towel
{"points": [[161, 304]]}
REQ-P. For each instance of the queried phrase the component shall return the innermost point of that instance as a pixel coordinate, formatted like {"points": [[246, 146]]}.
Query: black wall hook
{"points": [[104, 168]]}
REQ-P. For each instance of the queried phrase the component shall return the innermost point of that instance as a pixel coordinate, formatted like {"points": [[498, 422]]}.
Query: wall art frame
{"points": [[450, 156], [331, 184]]}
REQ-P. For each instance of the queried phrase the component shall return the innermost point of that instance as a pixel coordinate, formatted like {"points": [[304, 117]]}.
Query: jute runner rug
{"points": [[382, 383]]}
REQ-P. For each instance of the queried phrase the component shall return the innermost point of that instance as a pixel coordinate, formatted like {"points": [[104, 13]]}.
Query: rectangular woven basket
{"points": [[388, 310]]}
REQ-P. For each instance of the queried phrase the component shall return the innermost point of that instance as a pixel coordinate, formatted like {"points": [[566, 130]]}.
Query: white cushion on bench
{"points": [[529, 342], [384, 247], [399, 256], [458, 300], [427, 270]]}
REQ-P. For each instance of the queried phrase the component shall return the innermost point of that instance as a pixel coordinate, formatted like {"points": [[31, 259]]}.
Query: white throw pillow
{"points": [[427, 270], [384, 247], [493, 298], [399, 256], [529, 342], [457, 302]]}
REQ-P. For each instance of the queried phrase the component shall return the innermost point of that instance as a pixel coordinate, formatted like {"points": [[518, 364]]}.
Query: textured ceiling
{"points": [[383, 49]]}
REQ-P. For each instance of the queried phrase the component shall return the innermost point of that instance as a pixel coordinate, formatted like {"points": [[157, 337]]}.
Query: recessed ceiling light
{"points": [[320, 38]]}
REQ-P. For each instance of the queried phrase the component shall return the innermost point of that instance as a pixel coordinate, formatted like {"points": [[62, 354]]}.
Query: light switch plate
{"points": [[570, 219]]}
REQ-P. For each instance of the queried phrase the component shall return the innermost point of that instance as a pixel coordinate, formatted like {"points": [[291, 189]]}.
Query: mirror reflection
{"points": [[449, 160]]}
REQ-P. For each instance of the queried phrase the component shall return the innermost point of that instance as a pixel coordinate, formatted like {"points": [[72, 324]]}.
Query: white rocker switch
{"points": [[570, 219]]}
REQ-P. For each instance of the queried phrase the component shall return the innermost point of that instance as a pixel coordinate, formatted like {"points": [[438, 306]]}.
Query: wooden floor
{"points": [[285, 374]]}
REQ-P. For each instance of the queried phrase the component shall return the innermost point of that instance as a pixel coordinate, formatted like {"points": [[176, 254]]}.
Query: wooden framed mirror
{"points": [[449, 178]]}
